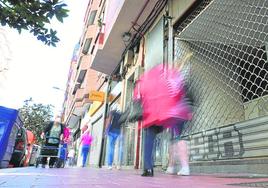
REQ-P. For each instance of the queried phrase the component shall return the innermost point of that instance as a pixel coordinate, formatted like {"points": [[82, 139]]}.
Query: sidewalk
{"points": [[31, 177]]}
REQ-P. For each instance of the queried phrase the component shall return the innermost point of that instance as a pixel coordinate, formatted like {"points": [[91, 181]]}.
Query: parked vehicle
{"points": [[20, 149], [10, 124]]}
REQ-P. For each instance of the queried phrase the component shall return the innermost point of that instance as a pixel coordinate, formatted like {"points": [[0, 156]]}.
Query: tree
{"points": [[33, 15], [35, 116]]}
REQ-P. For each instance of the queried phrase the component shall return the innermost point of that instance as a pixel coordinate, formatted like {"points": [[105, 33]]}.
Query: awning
{"points": [[119, 19]]}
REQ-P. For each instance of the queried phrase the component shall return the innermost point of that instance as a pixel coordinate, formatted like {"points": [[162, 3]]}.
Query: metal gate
{"points": [[227, 76]]}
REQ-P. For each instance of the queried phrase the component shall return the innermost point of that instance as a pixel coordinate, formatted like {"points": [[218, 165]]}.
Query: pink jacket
{"points": [[162, 96], [66, 133], [86, 139]]}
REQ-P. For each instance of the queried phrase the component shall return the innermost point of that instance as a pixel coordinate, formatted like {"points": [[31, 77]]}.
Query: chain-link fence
{"points": [[227, 76]]}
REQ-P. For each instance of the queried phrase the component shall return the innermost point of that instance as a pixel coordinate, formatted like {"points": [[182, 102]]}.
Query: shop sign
{"points": [[97, 96]]}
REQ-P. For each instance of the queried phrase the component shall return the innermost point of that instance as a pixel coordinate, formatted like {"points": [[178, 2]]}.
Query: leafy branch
{"points": [[34, 16]]}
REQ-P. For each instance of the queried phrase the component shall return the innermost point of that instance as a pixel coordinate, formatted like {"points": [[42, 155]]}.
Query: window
{"points": [[91, 18], [79, 63], [92, 50], [86, 46]]}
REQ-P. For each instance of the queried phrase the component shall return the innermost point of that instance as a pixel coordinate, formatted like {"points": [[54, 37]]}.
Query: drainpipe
{"points": [[133, 27], [137, 164], [139, 140], [106, 105], [170, 34], [138, 148]]}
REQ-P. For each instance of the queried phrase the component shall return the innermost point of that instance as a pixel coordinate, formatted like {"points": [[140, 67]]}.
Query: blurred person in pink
{"points": [[86, 140], [66, 135], [165, 107]]}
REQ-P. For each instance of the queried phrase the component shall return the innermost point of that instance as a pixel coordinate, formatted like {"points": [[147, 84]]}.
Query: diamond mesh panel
{"points": [[227, 75]]}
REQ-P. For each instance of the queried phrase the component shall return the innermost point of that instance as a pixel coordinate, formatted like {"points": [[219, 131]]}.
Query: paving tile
{"points": [[102, 178]]}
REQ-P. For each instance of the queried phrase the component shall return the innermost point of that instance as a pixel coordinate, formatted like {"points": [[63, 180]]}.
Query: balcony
{"points": [[86, 100], [79, 95], [76, 87], [119, 17], [78, 107]]}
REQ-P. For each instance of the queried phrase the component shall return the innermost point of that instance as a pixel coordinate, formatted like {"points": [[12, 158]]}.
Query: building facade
{"points": [[224, 44], [81, 79]]}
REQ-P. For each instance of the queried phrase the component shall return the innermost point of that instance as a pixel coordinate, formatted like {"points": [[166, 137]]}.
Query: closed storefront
{"points": [[227, 77]]}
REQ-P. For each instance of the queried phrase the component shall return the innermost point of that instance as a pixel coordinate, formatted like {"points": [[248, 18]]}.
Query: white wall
{"points": [[96, 131]]}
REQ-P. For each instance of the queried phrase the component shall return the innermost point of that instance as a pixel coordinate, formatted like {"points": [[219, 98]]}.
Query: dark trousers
{"points": [[150, 134], [52, 159]]}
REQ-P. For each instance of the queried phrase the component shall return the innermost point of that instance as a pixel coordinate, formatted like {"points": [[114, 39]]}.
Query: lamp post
{"points": [[61, 111]]}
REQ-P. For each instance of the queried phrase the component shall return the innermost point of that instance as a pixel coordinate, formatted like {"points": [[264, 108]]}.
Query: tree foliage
{"points": [[35, 116], [34, 16]]}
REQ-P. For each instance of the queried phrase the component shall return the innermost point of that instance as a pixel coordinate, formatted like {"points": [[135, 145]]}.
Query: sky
{"points": [[34, 68]]}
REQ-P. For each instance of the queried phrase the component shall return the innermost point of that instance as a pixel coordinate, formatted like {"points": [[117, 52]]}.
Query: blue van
{"points": [[10, 124]]}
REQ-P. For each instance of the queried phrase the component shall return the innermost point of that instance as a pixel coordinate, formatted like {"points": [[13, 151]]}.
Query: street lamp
{"points": [[126, 36], [60, 112]]}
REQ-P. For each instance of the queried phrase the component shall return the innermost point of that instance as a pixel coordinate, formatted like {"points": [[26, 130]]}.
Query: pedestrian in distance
{"points": [[113, 129], [66, 135], [71, 155], [53, 134], [86, 141]]}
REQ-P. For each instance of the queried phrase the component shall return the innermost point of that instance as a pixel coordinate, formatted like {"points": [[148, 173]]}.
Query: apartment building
{"points": [[226, 75], [81, 79]]}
